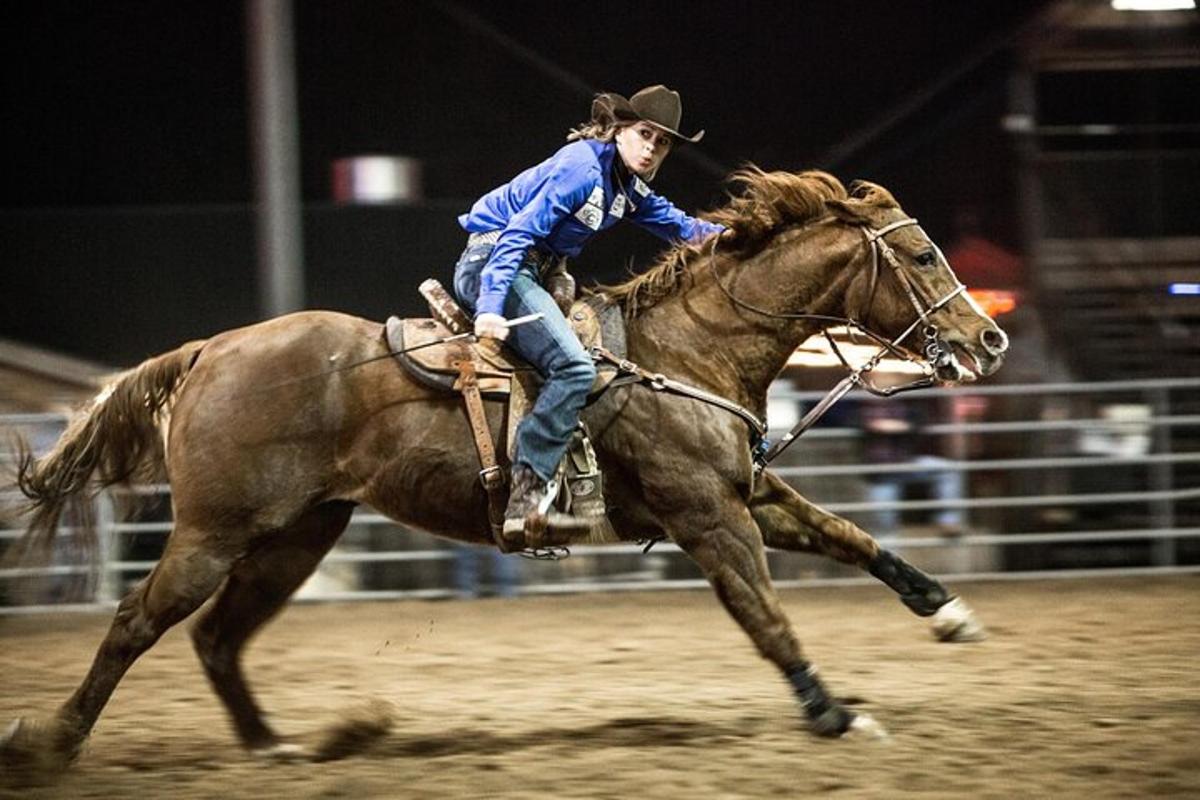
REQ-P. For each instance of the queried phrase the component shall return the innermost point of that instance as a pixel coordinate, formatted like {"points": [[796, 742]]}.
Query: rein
{"points": [[628, 372]]}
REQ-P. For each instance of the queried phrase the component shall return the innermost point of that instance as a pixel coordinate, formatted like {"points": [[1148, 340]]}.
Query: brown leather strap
{"points": [[661, 383], [491, 476]]}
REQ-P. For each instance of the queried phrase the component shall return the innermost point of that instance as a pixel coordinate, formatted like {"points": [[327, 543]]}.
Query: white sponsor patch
{"points": [[640, 186], [618, 206], [596, 198], [591, 216]]}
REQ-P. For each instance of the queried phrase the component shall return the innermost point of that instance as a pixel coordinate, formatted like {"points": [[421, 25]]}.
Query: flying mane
{"points": [[767, 202]]}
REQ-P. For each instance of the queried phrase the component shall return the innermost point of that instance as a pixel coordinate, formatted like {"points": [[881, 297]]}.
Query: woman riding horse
{"points": [[269, 450], [520, 233]]}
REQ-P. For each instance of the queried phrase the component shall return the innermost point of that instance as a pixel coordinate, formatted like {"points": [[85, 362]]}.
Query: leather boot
{"points": [[525, 525]]}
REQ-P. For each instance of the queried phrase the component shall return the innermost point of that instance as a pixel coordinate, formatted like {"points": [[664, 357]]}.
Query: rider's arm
{"points": [[564, 190], [659, 215]]}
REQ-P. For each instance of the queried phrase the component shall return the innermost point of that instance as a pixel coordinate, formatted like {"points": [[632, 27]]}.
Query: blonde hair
{"points": [[600, 130]]}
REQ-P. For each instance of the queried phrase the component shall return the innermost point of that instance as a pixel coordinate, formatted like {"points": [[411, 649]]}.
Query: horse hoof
{"points": [[867, 728], [281, 753], [30, 749], [956, 622], [10, 732]]}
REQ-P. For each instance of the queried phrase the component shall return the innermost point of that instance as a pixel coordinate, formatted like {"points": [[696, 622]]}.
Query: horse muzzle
{"points": [[959, 361]]}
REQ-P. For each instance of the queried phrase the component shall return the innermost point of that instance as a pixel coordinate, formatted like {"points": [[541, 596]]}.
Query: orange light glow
{"points": [[994, 302]]}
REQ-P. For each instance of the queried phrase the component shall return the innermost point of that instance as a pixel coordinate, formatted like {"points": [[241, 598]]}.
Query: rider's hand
{"points": [[491, 326]]}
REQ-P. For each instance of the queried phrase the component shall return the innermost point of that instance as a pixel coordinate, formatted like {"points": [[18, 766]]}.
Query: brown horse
{"points": [[265, 468]]}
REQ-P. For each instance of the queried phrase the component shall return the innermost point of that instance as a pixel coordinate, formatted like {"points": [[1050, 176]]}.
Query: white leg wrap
{"points": [[956, 622], [864, 726], [11, 731]]}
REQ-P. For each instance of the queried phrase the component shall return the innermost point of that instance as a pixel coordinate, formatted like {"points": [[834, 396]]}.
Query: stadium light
{"points": [[1184, 288], [1153, 5]]}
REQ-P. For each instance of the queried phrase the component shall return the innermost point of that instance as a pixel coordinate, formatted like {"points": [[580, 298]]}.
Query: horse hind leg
{"points": [[258, 588], [190, 570], [950, 619], [788, 521]]}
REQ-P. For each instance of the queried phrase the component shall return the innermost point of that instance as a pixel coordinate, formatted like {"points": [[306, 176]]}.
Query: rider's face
{"points": [[643, 148]]}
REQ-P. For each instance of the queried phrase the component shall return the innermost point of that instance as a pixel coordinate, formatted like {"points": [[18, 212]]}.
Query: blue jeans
{"points": [[504, 571], [551, 347], [947, 485]]}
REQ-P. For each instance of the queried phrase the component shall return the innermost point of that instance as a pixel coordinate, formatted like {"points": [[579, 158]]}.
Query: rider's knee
{"points": [[579, 375]]}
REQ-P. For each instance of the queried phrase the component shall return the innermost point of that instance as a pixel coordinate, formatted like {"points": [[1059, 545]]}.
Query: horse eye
{"points": [[927, 259]]}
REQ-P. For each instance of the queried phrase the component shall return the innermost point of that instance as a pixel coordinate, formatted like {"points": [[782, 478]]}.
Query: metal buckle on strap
{"points": [[491, 477], [543, 506]]}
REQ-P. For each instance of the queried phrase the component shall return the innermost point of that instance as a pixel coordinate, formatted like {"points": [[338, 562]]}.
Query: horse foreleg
{"points": [[189, 571], [258, 587], [729, 550], [788, 521]]}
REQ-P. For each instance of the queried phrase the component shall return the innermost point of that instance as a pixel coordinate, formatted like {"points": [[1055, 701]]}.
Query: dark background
{"points": [[126, 219]]}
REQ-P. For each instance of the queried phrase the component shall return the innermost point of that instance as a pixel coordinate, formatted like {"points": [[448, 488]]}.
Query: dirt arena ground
{"points": [[1082, 690]]}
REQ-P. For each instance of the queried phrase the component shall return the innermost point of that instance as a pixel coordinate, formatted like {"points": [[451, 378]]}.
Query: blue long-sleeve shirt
{"points": [[561, 203]]}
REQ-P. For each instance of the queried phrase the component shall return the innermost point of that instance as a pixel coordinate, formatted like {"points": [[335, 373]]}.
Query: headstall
{"points": [[934, 351]]}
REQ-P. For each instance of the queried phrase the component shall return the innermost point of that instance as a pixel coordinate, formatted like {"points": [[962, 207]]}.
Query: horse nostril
{"points": [[994, 341]]}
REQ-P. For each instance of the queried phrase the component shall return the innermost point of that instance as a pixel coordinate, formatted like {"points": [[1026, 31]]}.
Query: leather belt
{"points": [[536, 256]]}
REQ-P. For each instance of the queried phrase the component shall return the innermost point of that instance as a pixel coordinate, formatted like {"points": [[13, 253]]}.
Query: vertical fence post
{"points": [[109, 587], [1162, 479]]}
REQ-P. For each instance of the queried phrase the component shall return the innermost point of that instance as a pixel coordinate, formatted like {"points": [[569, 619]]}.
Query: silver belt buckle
{"points": [[486, 237]]}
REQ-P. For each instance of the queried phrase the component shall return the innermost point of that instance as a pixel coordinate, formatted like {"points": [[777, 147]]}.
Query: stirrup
{"points": [[547, 502], [583, 483]]}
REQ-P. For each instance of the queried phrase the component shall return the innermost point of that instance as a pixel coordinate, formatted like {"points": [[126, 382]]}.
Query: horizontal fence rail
{"points": [[1153, 451]]}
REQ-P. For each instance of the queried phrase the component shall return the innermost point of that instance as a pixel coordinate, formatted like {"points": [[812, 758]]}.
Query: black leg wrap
{"points": [[921, 593], [826, 717]]}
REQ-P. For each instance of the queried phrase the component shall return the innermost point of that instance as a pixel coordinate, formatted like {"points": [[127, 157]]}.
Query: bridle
{"points": [[934, 352]]}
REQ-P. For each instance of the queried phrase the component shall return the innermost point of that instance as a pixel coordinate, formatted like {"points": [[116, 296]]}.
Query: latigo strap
{"points": [[491, 475]]}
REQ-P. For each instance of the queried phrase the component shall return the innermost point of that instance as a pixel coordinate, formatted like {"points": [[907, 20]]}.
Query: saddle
{"points": [[480, 370]]}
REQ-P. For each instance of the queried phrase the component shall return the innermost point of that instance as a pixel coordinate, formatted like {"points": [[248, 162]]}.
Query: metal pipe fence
{"points": [[1080, 480]]}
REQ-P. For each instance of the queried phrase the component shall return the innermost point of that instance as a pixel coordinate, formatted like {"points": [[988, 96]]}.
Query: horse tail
{"points": [[117, 440]]}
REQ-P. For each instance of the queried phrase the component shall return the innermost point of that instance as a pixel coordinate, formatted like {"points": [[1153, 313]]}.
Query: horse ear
{"points": [[844, 210], [860, 189]]}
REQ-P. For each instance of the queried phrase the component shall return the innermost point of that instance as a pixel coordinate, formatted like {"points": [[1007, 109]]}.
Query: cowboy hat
{"points": [[657, 105]]}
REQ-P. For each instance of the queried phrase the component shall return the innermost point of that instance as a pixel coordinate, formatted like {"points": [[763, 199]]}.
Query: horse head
{"points": [[906, 291]]}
